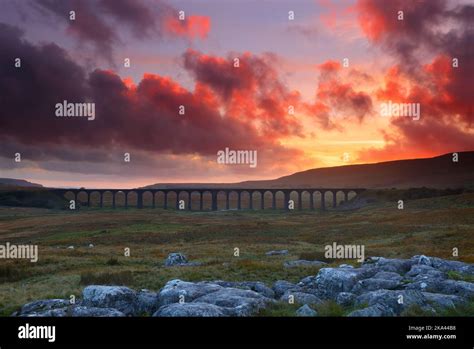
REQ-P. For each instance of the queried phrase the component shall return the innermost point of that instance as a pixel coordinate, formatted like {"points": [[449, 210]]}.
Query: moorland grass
{"points": [[430, 226]]}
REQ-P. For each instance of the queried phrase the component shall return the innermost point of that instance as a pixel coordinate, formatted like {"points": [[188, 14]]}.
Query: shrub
{"points": [[121, 278]]}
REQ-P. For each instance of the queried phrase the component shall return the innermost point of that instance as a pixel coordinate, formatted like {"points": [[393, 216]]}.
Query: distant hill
{"points": [[11, 182], [438, 172]]}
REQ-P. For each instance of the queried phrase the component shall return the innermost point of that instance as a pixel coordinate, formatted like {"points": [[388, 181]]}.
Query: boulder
{"points": [[256, 286], [237, 301], [81, 311], [232, 301], [345, 299], [391, 300], [147, 302], [462, 289], [444, 264], [277, 253], [189, 310], [376, 310], [300, 298], [346, 266], [189, 290], [443, 300], [374, 284], [400, 266], [61, 312], [307, 282], [388, 275], [420, 272], [178, 259], [281, 286], [332, 281], [306, 311], [303, 263], [119, 297], [42, 306]]}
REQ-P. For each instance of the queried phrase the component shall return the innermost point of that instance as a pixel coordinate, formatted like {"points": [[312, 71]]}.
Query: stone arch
{"points": [[317, 197], [119, 198], [233, 198], [256, 199], [244, 199], [306, 199], [195, 197], [107, 198], [351, 194], [159, 196], [184, 196], [206, 200], [221, 195], [94, 198], [328, 199], [69, 195], [147, 198], [132, 198], [339, 197], [268, 199], [171, 196], [294, 195], [280, 199]]}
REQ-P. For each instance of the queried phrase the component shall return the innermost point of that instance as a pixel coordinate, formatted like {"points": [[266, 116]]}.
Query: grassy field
{"points": [[431, 226]]}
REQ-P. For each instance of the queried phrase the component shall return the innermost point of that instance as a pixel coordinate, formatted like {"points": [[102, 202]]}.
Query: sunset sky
{"points": [[282, 63]]}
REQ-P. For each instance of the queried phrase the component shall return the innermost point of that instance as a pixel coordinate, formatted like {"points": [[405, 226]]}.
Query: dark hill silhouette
{"points": [[437, 172], [11, 182]]}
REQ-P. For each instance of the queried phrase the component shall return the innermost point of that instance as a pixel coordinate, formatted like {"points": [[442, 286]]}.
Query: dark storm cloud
{"points": [[143, 117]]}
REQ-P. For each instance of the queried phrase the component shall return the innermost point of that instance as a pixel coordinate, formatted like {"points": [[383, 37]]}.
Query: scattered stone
{"points": [[303, 263], [391, 299], [190, 309], [178, 259], [444, 265], [451, 287], [385, 287], [443, 300], [300, 298], [237, 301], [256, 286], [81, 311], [332, 281], [91, 245], [147, 302], [420, 271], [119, 297], [42, 306], [374, 284], [71, 247], [306, 311], [400, 266], [188, 291], [346, 266], [345, 299], [281, 286], [277, 253], [376, 310], [388, 275]]}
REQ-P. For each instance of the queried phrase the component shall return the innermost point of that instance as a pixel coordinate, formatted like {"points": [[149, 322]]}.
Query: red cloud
{"points": [[336, 98], [441, 86], [329, 66], [252, 91], [192, 27], [142, 118]]}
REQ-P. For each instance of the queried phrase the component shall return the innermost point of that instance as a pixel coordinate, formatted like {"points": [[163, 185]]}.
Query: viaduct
{"points": [[214, 193]]}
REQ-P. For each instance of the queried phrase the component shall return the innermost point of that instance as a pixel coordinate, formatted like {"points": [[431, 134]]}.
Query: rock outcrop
{"points": [[379, 287]]}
